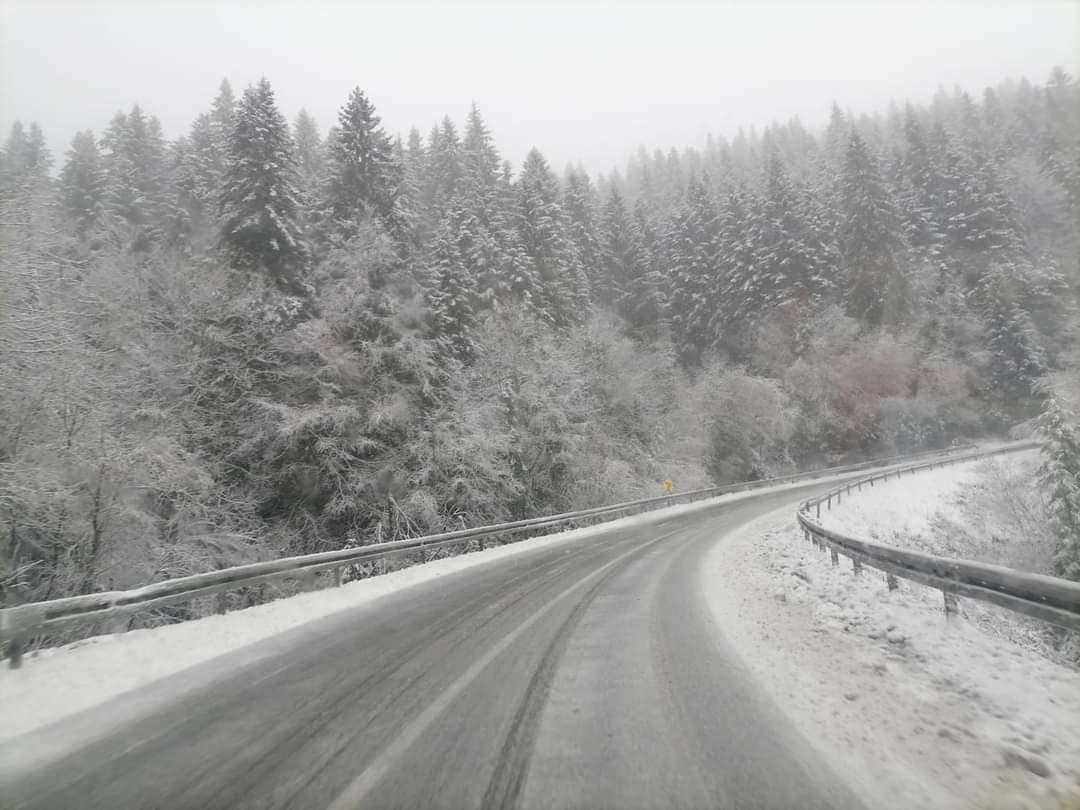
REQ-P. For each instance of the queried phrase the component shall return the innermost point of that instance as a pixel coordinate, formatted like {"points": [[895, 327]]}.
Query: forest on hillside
{"points": [[262, 339]]}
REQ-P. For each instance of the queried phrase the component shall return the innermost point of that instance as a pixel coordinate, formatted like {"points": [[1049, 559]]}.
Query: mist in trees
{"points": [[265, 338]]}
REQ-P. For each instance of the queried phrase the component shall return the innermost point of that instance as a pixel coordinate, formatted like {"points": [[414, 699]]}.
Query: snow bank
{"points": [[62, 681], [918, 711]]}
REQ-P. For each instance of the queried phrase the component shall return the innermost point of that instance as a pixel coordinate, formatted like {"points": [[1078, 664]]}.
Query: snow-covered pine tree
{"points": [[620, 255], [551, 275], [443, 170], [82, 184], [479, 155], [488, 243], [26, 189], [644, 301], [1059, 475], [260, 202], [1017, 356], [196, 166], [579, 202], [876, 290], [452, 284], [740, 300], [363, 178], [792, 259], [693, 298], [310, 154], [1059, 152], [135, 173]]}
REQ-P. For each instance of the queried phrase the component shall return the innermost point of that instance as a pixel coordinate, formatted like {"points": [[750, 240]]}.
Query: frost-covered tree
{"points": [[552, 278], [693, 282], [260, 203], [444, 170], [579, 201], [82, 184], [479, 156], [135, 175], [453, 292], [1059, 476], [875, 287], [310, 155], [793, 266], [362, 176], [620, 257], [740, 301]]}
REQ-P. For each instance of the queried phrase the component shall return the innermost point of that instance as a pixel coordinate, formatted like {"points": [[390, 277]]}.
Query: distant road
{"points": [[580, 675]]}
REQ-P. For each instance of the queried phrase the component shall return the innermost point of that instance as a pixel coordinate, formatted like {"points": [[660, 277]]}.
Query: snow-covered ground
{"points": [[991, 511], [62, 681], [918, 710]]}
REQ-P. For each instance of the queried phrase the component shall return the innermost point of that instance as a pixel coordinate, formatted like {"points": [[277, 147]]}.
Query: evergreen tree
{"points": [[1059, 153], [876, 290], [260, 201], [918, 194], [26, 192], [310, 158], [578, 202], [223, 120], [363, 178], [620, 257], [1017, 356], [479, 156], [644, 300], [792, 262], [453, 288], [552, 282], [444, 169], [135, 172], [741, 298], [82, 184], [693, 250], [488, 243], [1059, 476], [411, 210], [196, 176]]}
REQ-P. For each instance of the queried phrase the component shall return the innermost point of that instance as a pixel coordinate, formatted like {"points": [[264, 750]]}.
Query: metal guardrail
{"points": [[20, 624], [1047, 598]]}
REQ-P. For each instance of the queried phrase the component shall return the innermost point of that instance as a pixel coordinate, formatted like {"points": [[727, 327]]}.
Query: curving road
{"points": [[578, 675]]}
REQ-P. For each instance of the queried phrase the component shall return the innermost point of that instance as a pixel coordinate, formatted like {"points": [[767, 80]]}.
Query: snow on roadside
{"points": [[989, 510], [62, 681], [917, 711]]}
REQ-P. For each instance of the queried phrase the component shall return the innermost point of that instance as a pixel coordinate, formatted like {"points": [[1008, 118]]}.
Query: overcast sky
{"points": [[585, 81]]}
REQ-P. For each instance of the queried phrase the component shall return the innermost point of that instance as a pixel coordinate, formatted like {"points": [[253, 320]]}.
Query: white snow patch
{"points": [[915, 710], [989, 510], [61, 681]]}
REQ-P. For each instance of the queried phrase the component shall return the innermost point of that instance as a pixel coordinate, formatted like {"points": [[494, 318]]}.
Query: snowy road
{"points": [[583, 675]]}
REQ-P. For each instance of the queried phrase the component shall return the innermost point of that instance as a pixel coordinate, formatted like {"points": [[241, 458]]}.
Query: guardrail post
{"points": [[119, 623], [14, 653], [892, 582], [835, 556], [339, 576], [837, 498], [223, 602], [856, 567], [828, 503], [818, 508], [951, 606]]}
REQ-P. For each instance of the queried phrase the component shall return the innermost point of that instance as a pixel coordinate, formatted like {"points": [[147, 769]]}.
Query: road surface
{"points": [[579, 675]]}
